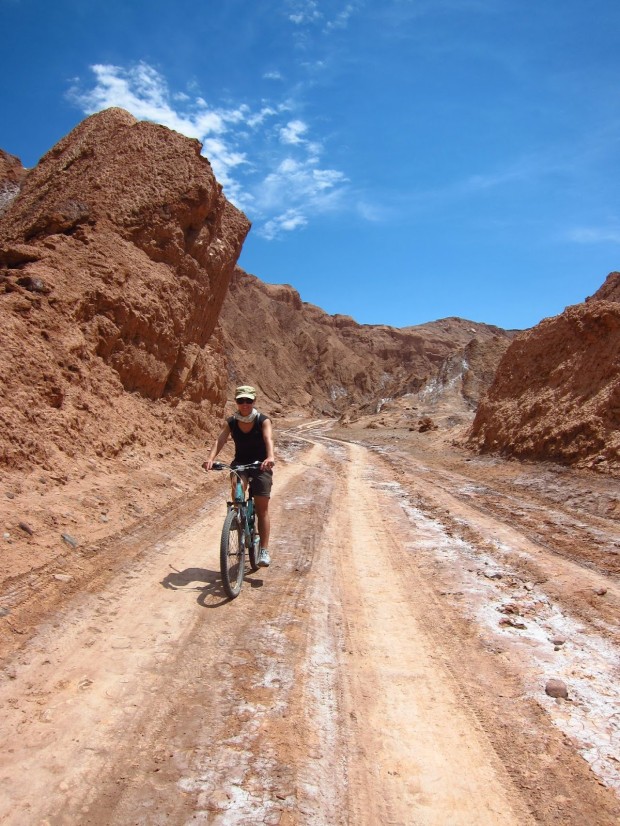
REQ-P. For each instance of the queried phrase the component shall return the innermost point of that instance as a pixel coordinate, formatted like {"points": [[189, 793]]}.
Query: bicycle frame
{"points": [[239, 533], [245, 506]]}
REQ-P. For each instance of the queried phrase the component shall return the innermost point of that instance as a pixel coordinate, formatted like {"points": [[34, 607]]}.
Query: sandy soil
{"points": [[389, 668]]}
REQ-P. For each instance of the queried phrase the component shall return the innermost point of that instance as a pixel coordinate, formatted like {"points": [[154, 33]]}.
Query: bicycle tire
{"points": [[232, 555]]}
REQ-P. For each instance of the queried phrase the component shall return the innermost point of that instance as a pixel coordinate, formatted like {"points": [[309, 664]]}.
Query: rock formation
{"points": [[305, 360], [610, 291], [556, 394], [115, 258], [12, 174]]}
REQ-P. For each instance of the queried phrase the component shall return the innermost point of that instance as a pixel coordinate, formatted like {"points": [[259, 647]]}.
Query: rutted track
{"points": [[357, 681]]}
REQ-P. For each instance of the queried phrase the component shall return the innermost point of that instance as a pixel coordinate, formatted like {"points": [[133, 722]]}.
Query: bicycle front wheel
{"points": [[232, 555]]}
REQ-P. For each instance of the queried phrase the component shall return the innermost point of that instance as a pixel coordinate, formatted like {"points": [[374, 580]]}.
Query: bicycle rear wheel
{"points": [[232, 555]]}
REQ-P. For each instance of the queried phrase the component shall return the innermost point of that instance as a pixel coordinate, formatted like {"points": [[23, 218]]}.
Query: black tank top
{"points": [[249, 447]]}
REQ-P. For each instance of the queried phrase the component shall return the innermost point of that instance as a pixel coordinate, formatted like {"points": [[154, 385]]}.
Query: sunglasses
{"points": [[245, 401]]}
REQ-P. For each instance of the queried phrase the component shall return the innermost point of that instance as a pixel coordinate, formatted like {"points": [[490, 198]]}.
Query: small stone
{"points": [[600, 592], [63, 577], [556, 688], [512, 623], [10, 495], [559, 641], [26, 528], [509, 608], [4, 612], [33, 285], [69, 540]]}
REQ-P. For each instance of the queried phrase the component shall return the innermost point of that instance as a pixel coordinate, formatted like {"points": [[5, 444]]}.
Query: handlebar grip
{"points": [[217, 466]]}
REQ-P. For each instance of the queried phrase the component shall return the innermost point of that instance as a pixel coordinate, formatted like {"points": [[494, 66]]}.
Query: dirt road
{"points": [[389, 668]]}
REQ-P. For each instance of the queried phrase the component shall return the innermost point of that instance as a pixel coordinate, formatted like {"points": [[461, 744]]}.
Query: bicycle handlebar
{"points": [[222, 466]]}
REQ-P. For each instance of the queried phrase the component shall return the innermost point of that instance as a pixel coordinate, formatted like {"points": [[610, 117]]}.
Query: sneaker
{"points": [[264, 560]]}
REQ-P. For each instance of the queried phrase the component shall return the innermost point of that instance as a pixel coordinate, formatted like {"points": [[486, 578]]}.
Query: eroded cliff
{"points": [[303, 359], [556, 393], [115, 258]]}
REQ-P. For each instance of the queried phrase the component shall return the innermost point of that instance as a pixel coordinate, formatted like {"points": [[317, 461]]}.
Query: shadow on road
{"points": [[212, 593]]}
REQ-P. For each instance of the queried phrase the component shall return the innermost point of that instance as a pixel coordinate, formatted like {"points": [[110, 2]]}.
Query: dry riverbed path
{"points": [[389, 668]]}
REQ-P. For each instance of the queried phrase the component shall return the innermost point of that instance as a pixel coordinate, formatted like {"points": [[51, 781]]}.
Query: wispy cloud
{"points": [[304, 11], [326, 16], [595, 235], [293, 131], [265, 159], [286, 222], [342, 18]]}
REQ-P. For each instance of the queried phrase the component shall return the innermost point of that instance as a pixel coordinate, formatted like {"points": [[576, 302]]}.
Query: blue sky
{"points": [[400, 160]]}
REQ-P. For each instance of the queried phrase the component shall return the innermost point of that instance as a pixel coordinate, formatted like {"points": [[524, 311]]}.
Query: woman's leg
{"points": [[264, 522], [233, 484]]}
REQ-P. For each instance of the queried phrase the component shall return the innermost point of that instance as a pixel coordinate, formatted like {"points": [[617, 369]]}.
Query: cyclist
{"points": [[251, 433]]}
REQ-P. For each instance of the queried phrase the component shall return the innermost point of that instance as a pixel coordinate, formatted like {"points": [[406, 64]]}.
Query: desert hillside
{"points": [[556, 393], [115, 258], [305, 360], [119, 305]]}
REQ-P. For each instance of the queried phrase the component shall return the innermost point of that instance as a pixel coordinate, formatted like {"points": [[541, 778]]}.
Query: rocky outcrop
{"points": [[304, 359], [556, 394], [610, 291], [115, 258], [12, 173]]}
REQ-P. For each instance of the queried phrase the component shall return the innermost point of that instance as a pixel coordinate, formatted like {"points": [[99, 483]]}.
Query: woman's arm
{"points": [[268, 439], [218, 445]]}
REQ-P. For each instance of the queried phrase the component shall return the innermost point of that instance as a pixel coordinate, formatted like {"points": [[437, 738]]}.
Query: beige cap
{"points": [[245, 392]]}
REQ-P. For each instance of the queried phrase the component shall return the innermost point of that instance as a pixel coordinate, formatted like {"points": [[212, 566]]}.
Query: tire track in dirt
{"points": [[424, 749], [543, 506], [181, 703], [502, 669]]}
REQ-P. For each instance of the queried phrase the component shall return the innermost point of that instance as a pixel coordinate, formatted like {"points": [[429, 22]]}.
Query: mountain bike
{"points": [[239, 532]]}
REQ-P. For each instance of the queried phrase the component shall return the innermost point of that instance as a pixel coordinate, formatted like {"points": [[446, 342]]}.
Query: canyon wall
{"points": [[556, 393], [115, 257]]}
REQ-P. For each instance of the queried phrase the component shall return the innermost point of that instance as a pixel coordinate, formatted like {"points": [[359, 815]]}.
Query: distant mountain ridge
{"points": [[304, 359]]}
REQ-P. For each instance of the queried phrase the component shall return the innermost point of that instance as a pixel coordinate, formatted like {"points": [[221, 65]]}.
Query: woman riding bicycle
{"points": [[251, 433]]}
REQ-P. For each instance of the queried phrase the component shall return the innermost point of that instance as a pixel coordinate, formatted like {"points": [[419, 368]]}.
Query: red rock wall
{"points": [[114, 262], [12, 173], [556, 394]]}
